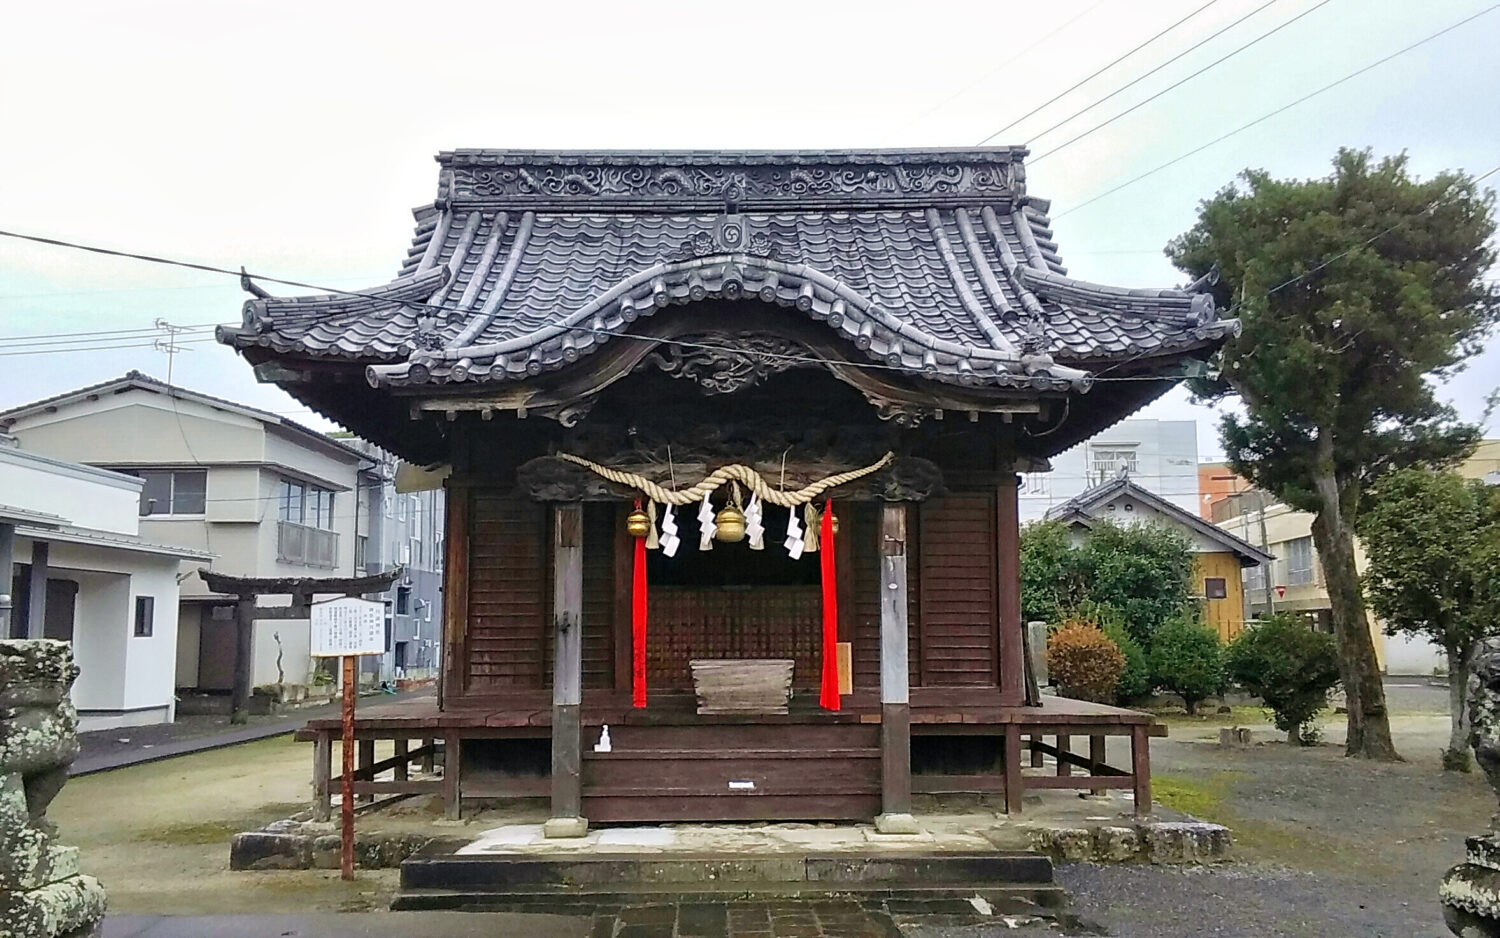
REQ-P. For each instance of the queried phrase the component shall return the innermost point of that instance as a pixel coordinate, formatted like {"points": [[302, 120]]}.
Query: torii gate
{"points": [[302, 590]]}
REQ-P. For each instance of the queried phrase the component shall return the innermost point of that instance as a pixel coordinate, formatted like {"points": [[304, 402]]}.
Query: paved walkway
{"points": [[348, 925], [102, 750]]}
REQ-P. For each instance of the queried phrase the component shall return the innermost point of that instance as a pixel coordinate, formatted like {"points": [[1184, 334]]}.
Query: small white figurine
{"points": [[603, 744]]}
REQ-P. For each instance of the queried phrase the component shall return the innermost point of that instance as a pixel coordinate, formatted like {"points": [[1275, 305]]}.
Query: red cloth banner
{"points": [[638, 625], [829, 697]]}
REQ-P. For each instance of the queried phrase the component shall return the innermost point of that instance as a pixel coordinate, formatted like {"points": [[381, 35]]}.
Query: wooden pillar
{"points": [[1064, 748], [452, 769], [567, 673], [401, 751], [322, 771], [1015, 784], [429, 762], [7, 568], [1036, 753], [36, 605], [1140, 768], [1097, 757], [895, 701], [244, 650], [1012, 666], [453, 675], [366, 749]]}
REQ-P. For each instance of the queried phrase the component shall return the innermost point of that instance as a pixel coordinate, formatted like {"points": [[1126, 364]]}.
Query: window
{"points": [[305, 504], [362, 550], [388, 505], [403, 600], [1109, 461], [173, 491], [1215, 587], [416, 552], [1299, 561], [1255, 577], [437, 552], [400, 509], [145, 613], [416, 516]]}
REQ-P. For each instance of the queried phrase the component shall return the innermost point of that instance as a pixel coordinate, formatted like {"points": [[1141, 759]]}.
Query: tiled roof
{"points": [[933, 262], [140, 380], [1089, 503]]}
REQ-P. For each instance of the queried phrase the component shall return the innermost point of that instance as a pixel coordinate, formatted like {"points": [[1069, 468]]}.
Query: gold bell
{"points": [[638, 524], [731, 525]]}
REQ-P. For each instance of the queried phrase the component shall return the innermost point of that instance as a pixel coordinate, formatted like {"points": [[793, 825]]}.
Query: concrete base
{"points": [[897, 824], [563, 827]]}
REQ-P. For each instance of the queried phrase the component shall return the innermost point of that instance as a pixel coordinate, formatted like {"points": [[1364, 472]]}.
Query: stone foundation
{"points": [[1161, 842], [42, 893]]}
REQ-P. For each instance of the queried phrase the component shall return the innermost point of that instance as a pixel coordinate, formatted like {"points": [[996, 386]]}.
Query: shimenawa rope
{"points": [[738, 472]]}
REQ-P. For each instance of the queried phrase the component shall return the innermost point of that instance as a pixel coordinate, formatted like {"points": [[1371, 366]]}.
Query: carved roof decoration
{"points": [[937, 264]]}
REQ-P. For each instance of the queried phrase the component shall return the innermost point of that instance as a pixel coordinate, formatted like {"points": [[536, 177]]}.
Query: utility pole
{"points": [[168, 343]]}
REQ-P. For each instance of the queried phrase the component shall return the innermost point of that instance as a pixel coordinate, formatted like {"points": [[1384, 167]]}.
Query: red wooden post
{"points": [[1008, 585], [346, 781]]}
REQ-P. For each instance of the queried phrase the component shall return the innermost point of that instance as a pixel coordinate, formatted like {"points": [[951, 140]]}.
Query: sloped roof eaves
{"points": [[90, 537], [1107, 491], [139, 380]]}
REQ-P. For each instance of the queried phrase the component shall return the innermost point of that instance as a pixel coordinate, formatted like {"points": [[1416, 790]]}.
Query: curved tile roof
{"points": [[933, 262]]}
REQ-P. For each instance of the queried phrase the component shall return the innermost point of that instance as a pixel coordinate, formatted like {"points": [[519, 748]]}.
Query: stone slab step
{"points": [[519, 872], [1030, 899]]}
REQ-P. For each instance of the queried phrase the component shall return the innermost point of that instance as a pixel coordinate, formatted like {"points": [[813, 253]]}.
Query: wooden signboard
{"points": [[347, 628]]}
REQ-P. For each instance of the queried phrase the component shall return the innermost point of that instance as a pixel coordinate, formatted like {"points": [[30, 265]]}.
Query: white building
{"points": [[403, 529], [264, 496], [79, 570], [1159, 455]]}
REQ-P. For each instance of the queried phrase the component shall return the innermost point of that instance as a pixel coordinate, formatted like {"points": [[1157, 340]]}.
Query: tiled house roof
{"points": [[936, 263]]}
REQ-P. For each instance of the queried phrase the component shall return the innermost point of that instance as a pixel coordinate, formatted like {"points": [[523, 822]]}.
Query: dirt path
{"points": [[158, 834]]}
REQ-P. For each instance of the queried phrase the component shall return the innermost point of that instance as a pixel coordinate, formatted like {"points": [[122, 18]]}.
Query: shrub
{"points": [[1135, 680], [1085, 664], [1290, 667], [1187, 658]]}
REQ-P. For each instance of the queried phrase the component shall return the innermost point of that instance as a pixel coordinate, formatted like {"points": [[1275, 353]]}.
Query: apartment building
{"points": [[1158, 455], [249, 491]]}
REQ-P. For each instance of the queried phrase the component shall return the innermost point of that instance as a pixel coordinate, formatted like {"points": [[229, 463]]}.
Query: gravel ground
{"points": [[1326, 846]]}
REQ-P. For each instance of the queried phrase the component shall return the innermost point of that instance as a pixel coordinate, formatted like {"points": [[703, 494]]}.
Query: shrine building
{"points": [[731, 444]]}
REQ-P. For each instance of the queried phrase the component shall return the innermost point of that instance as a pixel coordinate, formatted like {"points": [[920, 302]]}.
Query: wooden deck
{"points": [[696, 750]]}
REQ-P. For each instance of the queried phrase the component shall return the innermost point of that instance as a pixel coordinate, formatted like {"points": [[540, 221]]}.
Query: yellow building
{"points": [[1222, 555], [1295, 583]]}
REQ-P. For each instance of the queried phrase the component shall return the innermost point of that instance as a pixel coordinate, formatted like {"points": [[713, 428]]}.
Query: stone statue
{"points": [[1470, 892], [42, 894]]}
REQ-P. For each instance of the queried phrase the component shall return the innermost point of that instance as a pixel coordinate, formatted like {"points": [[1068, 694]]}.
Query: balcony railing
{"points": [[311, 547]]}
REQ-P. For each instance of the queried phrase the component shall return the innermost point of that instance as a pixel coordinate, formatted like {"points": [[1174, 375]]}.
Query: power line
{"points": [[1177, 84], [1285, 107], [1135, 81], [98, 348], [12, 339], [1052, 100], [993, 71]]}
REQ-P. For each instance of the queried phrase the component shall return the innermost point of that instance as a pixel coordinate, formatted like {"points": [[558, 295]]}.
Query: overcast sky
{"points": [[294, 138]]}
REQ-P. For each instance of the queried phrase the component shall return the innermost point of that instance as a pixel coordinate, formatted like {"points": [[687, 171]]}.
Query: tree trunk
{"points": [[1457, 756], [1369, 724]]}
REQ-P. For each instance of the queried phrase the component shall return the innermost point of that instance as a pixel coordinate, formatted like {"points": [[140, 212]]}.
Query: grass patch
{"points": [[1202, 798], [204, 833]]}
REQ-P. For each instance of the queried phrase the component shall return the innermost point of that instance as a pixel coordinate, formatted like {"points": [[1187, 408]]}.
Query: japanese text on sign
{"points": [[347, 626]]}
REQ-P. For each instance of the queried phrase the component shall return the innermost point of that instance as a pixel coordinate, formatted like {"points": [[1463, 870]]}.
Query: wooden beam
{"points": [[567, 671], [452, 772], [322, 774], [305, 586], [456, 544], [1015, 784], [1012, 668], [244, 650]]}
